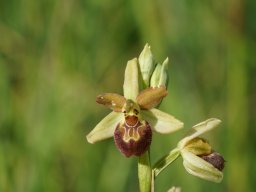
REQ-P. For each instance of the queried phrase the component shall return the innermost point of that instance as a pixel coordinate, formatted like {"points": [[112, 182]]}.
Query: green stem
{"points": [[145, 172]]}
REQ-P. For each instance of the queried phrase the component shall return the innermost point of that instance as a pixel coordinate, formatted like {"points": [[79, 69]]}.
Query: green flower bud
{"points": [[160, 75], [147, 65]]}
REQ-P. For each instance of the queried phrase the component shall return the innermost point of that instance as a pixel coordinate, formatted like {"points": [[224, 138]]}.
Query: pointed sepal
{"points": [[131, 80], [105, 128], [160, 121], [199, 129]]}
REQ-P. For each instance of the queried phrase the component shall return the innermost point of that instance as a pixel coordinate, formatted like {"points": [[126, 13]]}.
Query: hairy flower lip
{"points": [[133, 140], [215, 159]]}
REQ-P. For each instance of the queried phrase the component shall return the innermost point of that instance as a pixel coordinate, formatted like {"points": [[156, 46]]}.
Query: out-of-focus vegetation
{"points": [[56, 56]]}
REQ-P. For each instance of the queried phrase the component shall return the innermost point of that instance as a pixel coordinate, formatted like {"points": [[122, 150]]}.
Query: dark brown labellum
{"points": [[215, 159], [133, 137]]}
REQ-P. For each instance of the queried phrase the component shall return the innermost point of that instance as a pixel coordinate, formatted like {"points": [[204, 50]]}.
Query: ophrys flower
{"points": [[198, 157], [134, 116]]}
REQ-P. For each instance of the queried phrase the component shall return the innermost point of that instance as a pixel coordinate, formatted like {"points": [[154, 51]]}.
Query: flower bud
{"points": [[160, 75], [147, 65]]}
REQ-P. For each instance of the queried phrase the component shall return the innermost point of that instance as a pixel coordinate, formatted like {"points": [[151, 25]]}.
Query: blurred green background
{"points": [[57, 56]]}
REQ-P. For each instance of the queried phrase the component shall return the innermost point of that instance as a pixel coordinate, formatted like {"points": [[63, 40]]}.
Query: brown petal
{"points": [[151, 97], [112, 101]]}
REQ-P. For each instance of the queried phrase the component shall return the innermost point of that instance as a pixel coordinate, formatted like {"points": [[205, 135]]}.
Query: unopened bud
{"points": [[160, 75], [147, 65]]}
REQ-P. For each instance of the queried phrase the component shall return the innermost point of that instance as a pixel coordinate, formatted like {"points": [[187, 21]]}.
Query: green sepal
{"points": [[131, 80], [105, 128], [160, 121], [199, 129]]}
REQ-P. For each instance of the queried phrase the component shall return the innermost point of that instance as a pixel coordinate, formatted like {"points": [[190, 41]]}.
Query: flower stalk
{"points": [[145, 172]]}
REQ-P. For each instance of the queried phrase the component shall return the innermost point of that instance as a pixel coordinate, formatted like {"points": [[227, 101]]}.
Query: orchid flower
{"points": [[198, 157], [134, 115]]}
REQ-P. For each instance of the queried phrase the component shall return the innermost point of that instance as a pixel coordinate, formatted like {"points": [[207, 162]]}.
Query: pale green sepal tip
{"points": [[164, 75], [165, 161], [160, 75], [200, 168], [200, 129], [156, 76], [131, 80], [146, 63], [160, 121], [105, 128]]}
